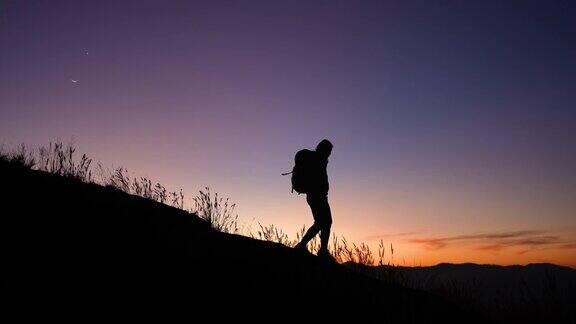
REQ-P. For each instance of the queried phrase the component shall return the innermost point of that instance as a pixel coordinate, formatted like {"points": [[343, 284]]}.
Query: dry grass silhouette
{"points": [[217, 211]]}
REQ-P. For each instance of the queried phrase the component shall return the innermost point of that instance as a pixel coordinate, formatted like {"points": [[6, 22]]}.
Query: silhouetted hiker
{"points": [[309, 176]]}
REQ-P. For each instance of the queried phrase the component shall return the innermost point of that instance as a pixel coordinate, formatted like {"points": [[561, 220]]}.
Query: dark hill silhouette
{"points": [[70, 247]]}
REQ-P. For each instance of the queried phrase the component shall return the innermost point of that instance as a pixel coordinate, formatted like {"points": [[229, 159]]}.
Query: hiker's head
{"points": [[324, 148]]}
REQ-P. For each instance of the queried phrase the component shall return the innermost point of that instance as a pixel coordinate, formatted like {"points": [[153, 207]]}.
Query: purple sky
{"points": [[449, 119]]}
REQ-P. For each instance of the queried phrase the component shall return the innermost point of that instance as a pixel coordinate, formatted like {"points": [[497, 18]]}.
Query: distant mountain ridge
{"points": [[492, 273], [527, 293], [536, 264]]}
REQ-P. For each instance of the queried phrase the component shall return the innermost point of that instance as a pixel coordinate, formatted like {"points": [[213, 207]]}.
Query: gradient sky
{"points": [[454, 123]]}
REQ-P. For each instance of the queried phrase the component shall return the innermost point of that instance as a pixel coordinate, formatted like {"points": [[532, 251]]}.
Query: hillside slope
{"points": [[69, 246]]}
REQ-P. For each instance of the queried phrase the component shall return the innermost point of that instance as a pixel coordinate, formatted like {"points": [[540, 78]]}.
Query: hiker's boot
{"points": [[300, 246], [325, 255]]}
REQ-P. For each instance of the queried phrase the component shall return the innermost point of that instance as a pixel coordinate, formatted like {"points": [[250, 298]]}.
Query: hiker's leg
{"points": [[313, 202], [310, 233], [326, 217], [325, 237]]}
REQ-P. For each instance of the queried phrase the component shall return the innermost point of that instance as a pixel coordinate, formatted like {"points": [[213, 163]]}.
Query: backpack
{"points": [[302, 171]]}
